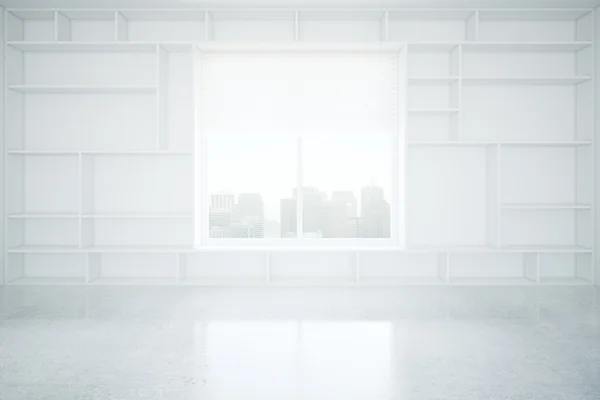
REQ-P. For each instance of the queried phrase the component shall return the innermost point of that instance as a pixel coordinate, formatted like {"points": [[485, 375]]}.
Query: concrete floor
{"points": [[299, 344]]}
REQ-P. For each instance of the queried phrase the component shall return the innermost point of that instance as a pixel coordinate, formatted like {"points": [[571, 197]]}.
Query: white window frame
{"points": [[397, 206]]}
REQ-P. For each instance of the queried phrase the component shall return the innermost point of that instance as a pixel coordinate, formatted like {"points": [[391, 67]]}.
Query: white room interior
{"points": [[118, 125], [299, 199]]}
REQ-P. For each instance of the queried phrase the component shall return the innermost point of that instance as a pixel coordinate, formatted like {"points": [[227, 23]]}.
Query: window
{"points": [[299, 145]]}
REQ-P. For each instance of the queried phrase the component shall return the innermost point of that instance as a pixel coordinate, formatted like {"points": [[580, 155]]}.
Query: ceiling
{"points": [[293, 3]]}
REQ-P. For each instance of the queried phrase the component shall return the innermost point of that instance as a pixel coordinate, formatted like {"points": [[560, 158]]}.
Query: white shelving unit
{"points": [[103, 146]]}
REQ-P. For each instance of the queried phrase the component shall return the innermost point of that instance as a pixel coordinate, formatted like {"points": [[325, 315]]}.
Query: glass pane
{"points": [[251, 178], [347, 185]]}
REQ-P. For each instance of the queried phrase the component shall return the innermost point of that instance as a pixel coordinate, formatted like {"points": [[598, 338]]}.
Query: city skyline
{"points": [[340, 215]]}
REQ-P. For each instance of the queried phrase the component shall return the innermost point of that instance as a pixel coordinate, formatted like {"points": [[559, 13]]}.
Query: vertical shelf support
{"points": [[199, 165], [399, 173]]}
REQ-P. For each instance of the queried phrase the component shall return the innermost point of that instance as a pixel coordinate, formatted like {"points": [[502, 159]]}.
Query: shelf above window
{"points": [[77, 89]]}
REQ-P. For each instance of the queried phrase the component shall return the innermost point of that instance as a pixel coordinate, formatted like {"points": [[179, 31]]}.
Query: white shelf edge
{"points": [[136, 216], [82, 89], [190, 250], [510, 144], [101, 152], [434, 111], [545, 207], [43, 216]]}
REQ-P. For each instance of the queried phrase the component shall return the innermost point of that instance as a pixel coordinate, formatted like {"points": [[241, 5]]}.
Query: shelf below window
{"points": [[233, 281], [492, 281], [401, 281], [134, 281]]}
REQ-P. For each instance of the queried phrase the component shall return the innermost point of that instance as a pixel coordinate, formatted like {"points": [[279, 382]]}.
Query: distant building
{"points": [[223, 201], [375, 213]]}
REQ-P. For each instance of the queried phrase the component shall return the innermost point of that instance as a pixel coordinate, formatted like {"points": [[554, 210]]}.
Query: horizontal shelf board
{"points": [[51, 281], [433, 79], [137, 216], [312, 281], [224, 281], [134, 281], [433, 111], [533, 14], [452, 249], [498, 46], [137, 249], [76, 89], [548, 144], [33, 14], [492, 281], [45, 249], [547, 249], [42, 216], [527, 80], [574, 281], [102, 152], [450, 143], [84, 47], [253, 15], [375, 46], [525, 46], [400, 281], [164, 15], [512, 144], [88, 15], [545, 206], [366, 47]]}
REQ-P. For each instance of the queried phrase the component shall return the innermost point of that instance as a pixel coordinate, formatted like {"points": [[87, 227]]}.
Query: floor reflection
{"points": [[299, 359], [226, 344]]}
